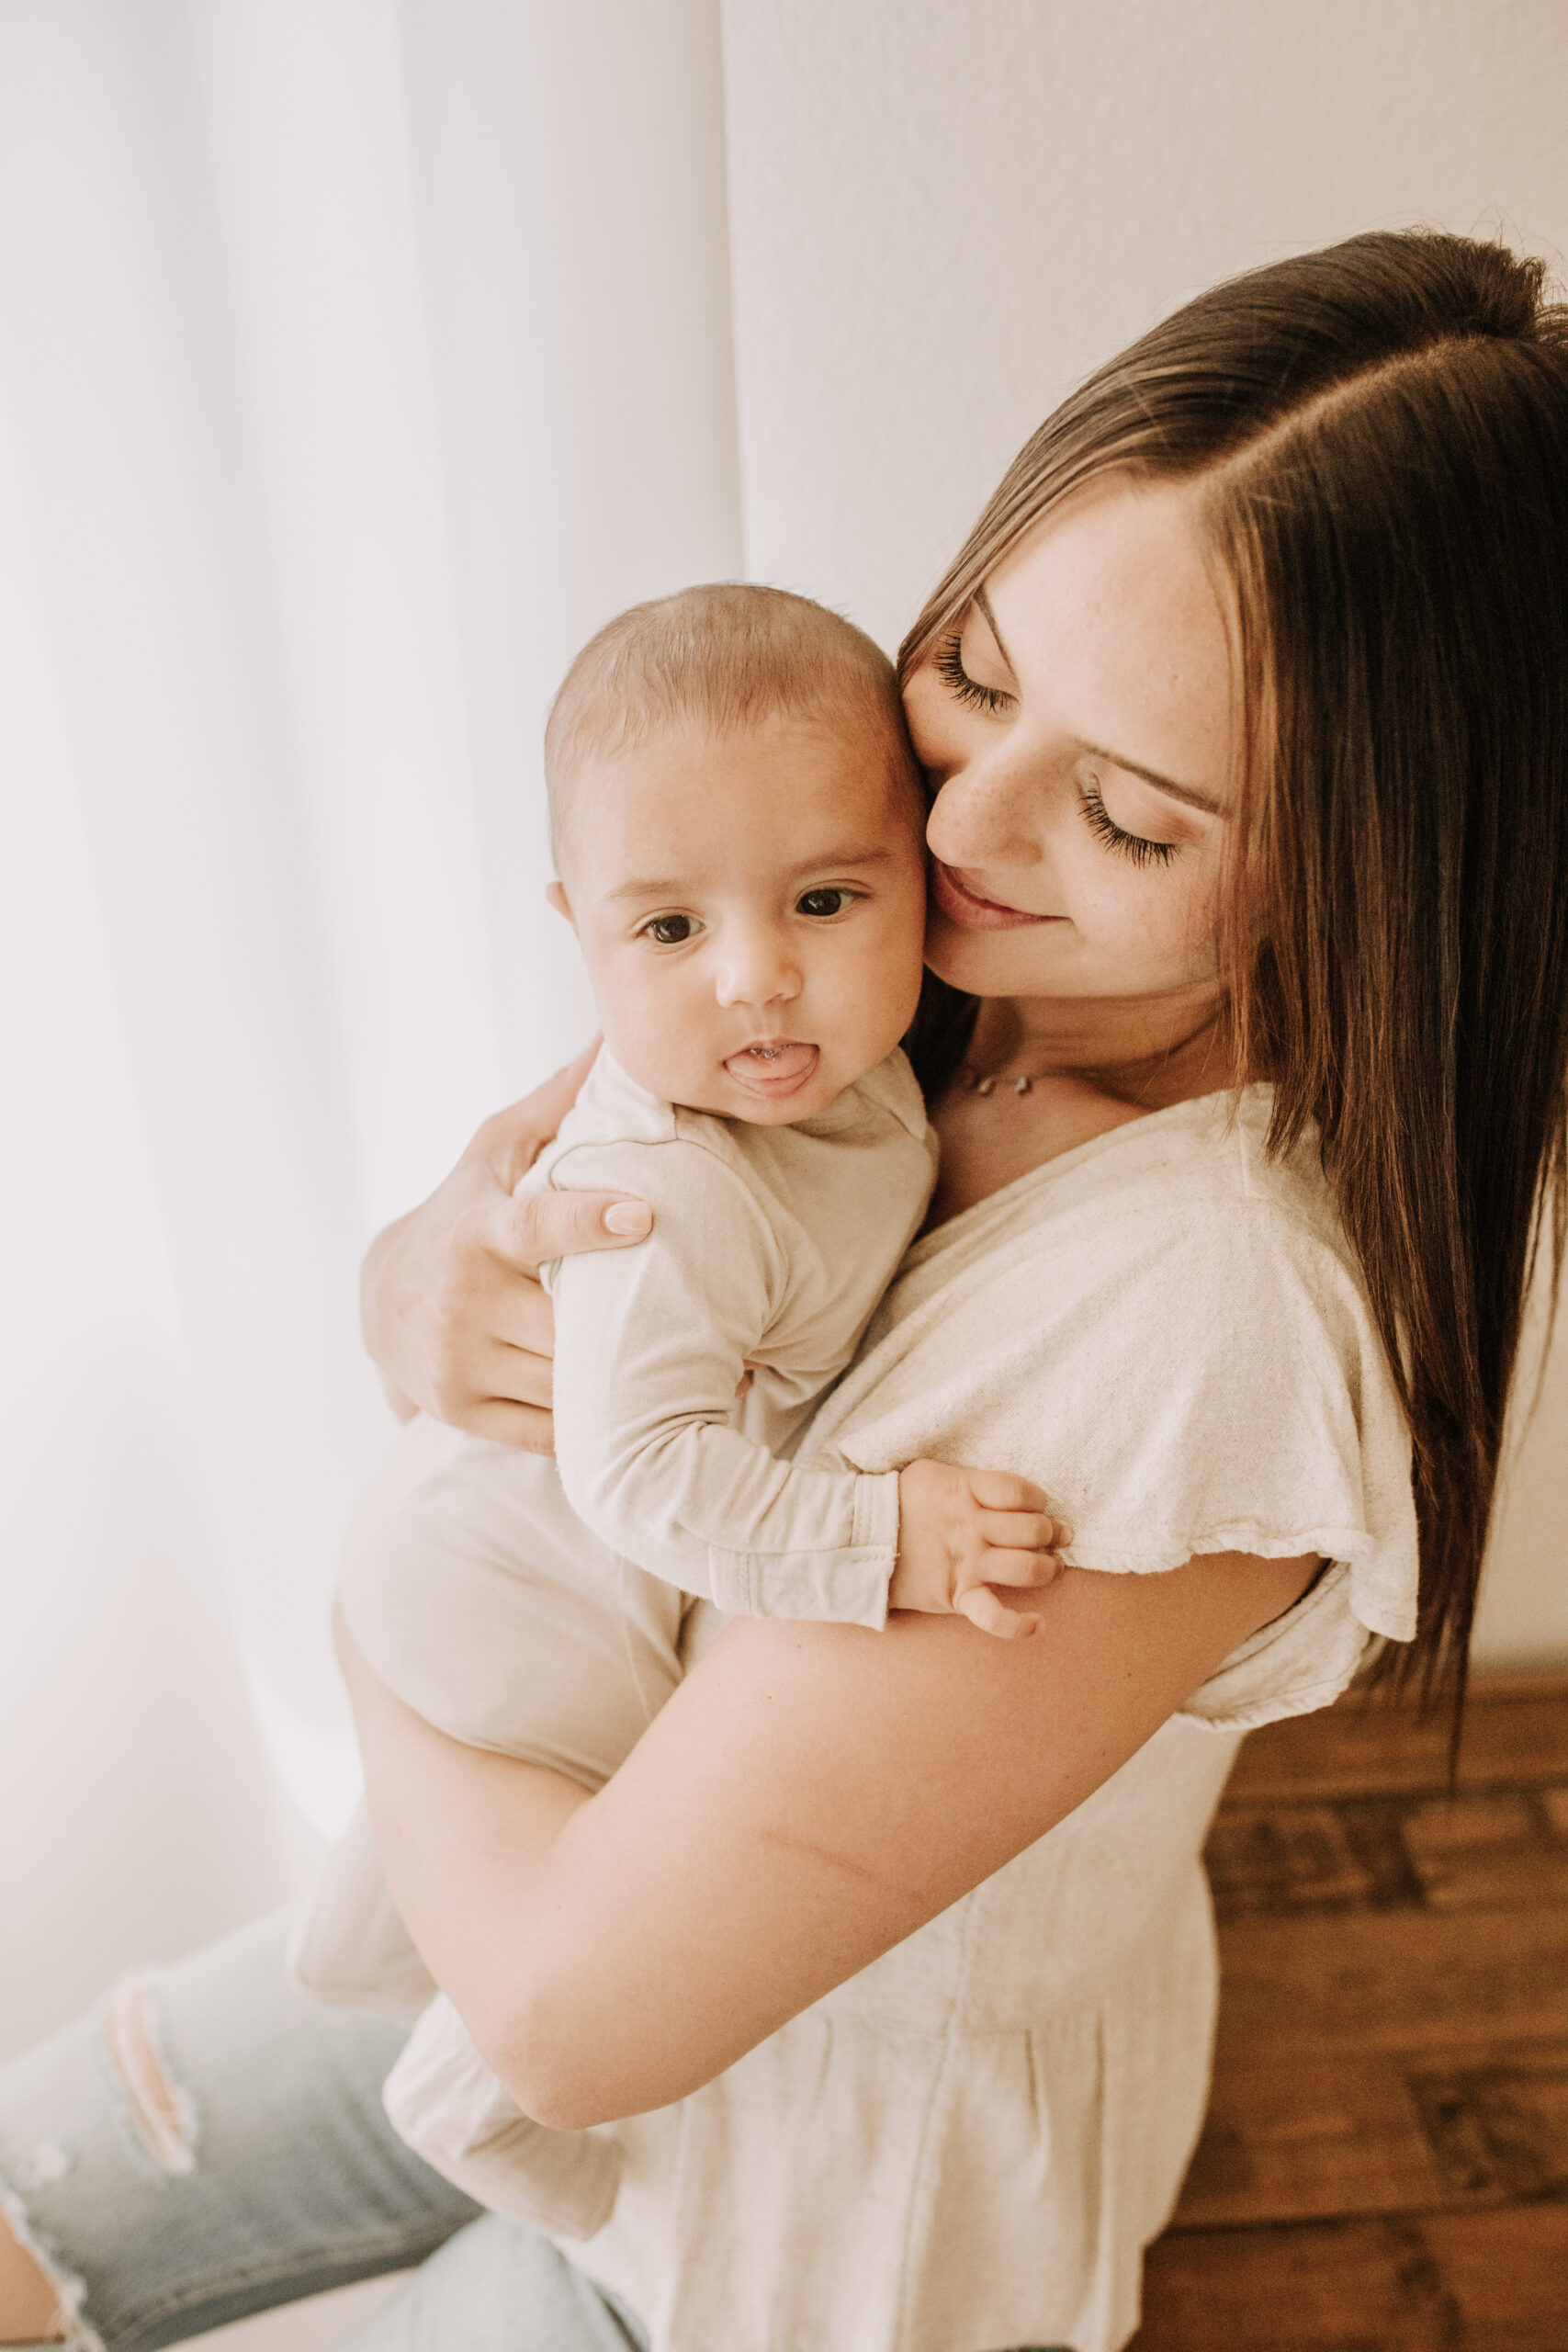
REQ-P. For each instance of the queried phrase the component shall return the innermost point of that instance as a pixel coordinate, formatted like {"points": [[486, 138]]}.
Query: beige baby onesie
{"points": [[509, 1599]]}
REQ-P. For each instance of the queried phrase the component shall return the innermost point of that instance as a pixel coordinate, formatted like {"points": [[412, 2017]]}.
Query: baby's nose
{"points": [[757, 971]]}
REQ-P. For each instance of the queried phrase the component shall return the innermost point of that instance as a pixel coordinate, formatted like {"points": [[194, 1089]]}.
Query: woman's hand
{"points": [[450, 1302]]}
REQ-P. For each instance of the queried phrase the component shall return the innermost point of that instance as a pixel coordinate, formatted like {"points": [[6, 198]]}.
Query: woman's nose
{"points": [[757, 968], [988, 812]]}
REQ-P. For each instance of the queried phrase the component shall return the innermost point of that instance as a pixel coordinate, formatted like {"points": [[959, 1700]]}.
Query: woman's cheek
{"points": [[937, 729], [1157, 921]]}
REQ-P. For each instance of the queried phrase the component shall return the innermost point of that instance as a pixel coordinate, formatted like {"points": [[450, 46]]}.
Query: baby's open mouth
{"points": [[779, 1066]]}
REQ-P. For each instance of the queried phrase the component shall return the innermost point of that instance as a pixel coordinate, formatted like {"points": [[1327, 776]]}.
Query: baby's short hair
{"points": [[725, 655]]}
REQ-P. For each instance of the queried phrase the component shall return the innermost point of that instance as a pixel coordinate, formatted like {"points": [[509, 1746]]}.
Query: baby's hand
{"points": [[961, 1532]]}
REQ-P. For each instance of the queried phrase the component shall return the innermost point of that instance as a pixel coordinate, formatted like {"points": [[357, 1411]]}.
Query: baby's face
{"points": [[752, 908]]}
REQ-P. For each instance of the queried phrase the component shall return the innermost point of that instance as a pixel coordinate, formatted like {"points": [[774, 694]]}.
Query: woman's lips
{"points": [[964, 907], [775, 1066]]}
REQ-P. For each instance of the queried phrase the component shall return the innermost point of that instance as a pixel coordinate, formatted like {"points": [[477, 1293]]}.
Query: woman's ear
{"points": [[560, 902]]}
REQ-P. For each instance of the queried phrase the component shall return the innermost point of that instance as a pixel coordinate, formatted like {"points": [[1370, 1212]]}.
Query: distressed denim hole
{"points": [[160, 2107]]}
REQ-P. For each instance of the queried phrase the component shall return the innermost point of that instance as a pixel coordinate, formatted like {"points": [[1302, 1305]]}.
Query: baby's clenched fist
{"points": [[965, 1534]]}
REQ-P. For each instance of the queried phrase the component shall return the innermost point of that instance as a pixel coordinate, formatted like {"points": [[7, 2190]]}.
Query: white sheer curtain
{"points": [[356, 360]]}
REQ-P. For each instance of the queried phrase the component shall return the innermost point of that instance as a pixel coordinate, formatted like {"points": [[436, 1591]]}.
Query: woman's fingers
{"points": [[514, 1375], [527, 1233], [522, 1323], [451, 1312], [527, 1427]]}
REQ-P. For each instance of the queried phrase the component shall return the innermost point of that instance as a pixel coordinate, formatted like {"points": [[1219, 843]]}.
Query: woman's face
{"points": [[1077, 722]]}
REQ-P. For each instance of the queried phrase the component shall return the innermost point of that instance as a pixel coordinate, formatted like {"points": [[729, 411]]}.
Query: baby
{"points": [[737, 824]]}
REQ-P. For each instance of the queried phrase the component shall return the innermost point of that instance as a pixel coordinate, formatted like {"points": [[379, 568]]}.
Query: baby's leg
{"points": [[476, 1594], [451, 2110], [478, 1597]]}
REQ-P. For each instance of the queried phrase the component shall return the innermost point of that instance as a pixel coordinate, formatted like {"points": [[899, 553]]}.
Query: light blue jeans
{"points": [[209, 2143]]}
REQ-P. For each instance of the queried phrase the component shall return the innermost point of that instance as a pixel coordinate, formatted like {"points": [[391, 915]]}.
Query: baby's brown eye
{"points": [[670, 931], [823, 902]]}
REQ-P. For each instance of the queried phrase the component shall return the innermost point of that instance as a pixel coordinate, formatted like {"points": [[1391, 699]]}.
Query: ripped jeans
{"points": [[209, 2143]]}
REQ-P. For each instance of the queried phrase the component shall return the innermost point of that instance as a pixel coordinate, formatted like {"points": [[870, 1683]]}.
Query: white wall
{"points": [[941, 217]]}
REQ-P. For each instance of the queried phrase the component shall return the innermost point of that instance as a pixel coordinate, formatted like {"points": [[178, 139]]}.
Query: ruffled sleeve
{"points": [[1174, 1341]]}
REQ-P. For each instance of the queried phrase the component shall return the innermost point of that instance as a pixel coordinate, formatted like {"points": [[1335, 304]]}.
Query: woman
{"points": [[886, 1957]]}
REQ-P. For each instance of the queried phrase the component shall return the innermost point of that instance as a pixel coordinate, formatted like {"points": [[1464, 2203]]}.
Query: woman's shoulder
{"points": [[1244, 1213], [1188, 1207]]}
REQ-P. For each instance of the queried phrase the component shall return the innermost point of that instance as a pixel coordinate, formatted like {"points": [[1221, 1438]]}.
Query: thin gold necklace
{"points": [[985, 1081]]}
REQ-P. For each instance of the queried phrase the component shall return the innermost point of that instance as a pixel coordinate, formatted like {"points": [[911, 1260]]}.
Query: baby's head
{"points": [[737, 826]]}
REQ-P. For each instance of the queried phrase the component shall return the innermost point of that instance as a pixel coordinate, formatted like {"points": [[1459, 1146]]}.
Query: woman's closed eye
{"points": [[1137, 846], [948, 663]]}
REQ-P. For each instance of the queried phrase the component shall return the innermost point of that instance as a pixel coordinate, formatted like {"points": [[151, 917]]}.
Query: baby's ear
{"points": [[560, 902]]}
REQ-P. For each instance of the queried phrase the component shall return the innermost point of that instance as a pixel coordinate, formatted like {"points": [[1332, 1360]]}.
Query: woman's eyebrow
{"points": [[1186, 792], [985, 604]]}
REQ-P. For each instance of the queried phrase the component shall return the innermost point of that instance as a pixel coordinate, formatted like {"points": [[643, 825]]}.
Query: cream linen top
{"points": [[966, 2146]]}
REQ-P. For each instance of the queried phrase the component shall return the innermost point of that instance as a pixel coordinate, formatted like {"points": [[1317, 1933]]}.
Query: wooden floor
{"points": [[1385, 2163]]}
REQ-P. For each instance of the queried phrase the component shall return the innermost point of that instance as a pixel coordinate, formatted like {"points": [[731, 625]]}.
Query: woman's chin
{"points": [[992, 963]]}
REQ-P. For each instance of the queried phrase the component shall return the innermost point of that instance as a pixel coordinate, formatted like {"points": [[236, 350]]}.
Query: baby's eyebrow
{"points": [[826, 861], [855, 853], [660, 890]]}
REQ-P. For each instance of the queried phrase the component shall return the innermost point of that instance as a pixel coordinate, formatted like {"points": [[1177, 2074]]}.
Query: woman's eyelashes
{"points": [[948, 663], [1137, 846]]}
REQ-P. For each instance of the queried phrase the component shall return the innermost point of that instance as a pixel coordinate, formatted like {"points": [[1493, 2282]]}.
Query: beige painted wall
{"points": [[942, 216]]}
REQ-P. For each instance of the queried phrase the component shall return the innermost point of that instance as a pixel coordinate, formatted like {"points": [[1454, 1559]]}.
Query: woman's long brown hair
{"points": [[1378, 437]]}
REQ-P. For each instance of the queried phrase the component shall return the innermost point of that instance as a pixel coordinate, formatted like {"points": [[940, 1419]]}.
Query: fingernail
{"points": [[629, 1218]]}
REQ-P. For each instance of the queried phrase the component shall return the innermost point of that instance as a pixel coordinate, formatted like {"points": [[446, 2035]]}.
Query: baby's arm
{"points": [[649, 1352]]}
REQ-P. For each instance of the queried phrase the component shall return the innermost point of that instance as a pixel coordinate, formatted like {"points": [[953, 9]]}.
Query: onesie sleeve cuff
{"points": [[844, 1586]]}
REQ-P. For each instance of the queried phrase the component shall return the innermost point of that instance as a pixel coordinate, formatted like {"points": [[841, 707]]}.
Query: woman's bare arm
{"points": [[809, 1796]]}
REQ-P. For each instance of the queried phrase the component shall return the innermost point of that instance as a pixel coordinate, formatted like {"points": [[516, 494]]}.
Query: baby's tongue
{"points": [[772, 1070]]}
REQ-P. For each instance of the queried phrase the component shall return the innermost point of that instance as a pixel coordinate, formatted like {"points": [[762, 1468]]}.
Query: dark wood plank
{"points": [[1487, 2281], [1498, 2128], [1347, 1856], [1500, 1849], [1288, 1858], [1402, 1980], [1509, 2273], [1313, 2136], [1325, 2135], [1365, 1746], [1385, 2163]]}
